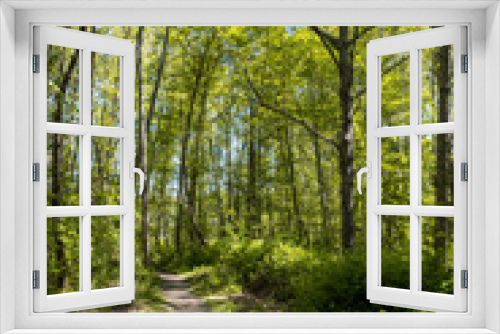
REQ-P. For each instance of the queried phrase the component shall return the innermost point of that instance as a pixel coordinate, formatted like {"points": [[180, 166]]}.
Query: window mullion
{"points": [[80, 157], [414, 172], [86, 172]]}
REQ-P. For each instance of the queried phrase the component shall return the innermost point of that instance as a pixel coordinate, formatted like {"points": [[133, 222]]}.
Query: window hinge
{"points": [[36, 172], [465, 63], [465, 279], [36, 279], [36, 63], [464, 172]]}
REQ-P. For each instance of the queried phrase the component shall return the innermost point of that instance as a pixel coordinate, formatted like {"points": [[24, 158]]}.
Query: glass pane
{"points": [[395, 89], [105, 89], [395, 172], [437, 169], [105, 252], [105, 171], [63, 255], [437, 84], [437, 254], [395, 232], [63, 84], [63, 170]]}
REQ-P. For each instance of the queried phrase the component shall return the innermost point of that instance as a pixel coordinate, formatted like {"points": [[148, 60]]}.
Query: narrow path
{"points": [[178, 295]]}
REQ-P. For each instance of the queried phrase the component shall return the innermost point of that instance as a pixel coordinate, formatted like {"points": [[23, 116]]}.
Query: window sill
{"points": [[253, 331]]}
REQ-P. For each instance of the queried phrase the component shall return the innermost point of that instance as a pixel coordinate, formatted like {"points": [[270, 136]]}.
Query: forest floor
{"points": [[178, 295], [192, 292]]}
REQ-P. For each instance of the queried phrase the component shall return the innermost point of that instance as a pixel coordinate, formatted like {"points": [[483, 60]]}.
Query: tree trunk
{"points": [[181, 196], [293, 187], [194, 227], [346, 158], [341, 50], [229, 169], [322, 190], [252, 176]]}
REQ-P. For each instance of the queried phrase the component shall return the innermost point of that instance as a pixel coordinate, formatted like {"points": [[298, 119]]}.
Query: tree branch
{"points": [[287, 114], [328, 41], [358, 33], [386, 71], [159, 75]]}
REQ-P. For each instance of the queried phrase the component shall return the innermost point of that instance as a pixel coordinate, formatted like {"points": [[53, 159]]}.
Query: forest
{"points": [[250, 139]]}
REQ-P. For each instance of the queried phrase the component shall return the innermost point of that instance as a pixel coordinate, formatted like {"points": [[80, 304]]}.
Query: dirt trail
{"points": [[178, 295]]}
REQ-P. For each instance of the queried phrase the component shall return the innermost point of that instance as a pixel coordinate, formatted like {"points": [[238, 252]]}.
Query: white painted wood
{"points": [[414, 170], [471, 322], [407, 210], [414, 297], [433, 211], [94, 131], [87, 298], [492, 186], [245, 4], [419, 129], [94, 210], [432, 129], [460, 155], [7, 167], [396, 131], [256, 331]]}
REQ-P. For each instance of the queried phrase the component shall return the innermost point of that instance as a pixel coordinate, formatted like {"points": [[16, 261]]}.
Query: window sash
{"points": [[414, 298], [86, 298]]}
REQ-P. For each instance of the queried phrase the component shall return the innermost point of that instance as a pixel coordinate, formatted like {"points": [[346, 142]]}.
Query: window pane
{"points": [[395, 231], [63, 85], [395, 89], [437, 169], [105, 171], [395, 171], [437, 84], [63, 170], [105, 89], [437, 254], [63, 255], [105, 252]]}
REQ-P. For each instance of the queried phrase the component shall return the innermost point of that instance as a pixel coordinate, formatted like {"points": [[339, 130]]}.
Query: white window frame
{"points": [[413, 43], [482, 19], [85, 43]]}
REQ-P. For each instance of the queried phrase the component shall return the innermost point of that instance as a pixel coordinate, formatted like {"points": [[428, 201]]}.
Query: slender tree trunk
{"points": [[260, 176], [322, 190], [293, 187], [346, 158], [271, 213], [285, 212], [220, 200], [145, 134], [194, 227], [180, 190], [238, 182], [252, 176], [181, 198], [229, 169]]}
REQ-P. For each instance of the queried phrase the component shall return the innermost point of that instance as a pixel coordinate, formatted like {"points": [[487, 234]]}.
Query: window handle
{"points": [[368, 171], [134, 170]]}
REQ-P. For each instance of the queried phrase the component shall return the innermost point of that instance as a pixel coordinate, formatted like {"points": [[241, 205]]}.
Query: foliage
{"points": [[295, 278], [250, 138]]}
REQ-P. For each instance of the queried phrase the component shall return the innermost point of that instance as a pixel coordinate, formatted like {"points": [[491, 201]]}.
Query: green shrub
{"points": [[300, 279]]}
